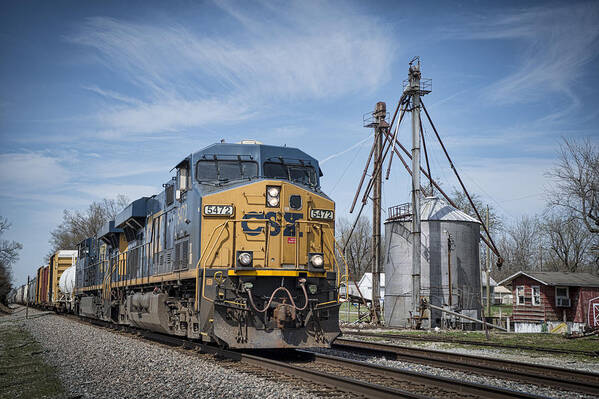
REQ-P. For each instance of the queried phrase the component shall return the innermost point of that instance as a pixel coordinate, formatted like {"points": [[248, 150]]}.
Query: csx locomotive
{"points": [[238, 250]]}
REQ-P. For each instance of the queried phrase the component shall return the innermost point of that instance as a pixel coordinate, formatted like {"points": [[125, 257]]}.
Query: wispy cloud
{"points": [[559, 42], [31, 171], [186, 78]]}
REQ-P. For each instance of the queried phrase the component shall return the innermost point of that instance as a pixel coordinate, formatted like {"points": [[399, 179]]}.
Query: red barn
{"points": [[554, 301]]}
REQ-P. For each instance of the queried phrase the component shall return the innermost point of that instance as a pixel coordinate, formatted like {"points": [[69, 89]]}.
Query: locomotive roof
{"points": [[257, 152]]}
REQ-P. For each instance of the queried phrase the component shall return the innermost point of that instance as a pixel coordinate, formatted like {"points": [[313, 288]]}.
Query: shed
{"points": [[554, 301]]}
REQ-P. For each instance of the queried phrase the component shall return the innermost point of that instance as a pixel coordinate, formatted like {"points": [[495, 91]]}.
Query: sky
{"points": [[104, 98]]}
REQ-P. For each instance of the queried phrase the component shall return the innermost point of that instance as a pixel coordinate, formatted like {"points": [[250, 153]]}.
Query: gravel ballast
{"points": [[98, 363]]}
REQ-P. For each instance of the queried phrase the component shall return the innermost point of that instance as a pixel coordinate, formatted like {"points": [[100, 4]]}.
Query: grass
{"points": [[506, 310], [23, 373], [353, 312]]}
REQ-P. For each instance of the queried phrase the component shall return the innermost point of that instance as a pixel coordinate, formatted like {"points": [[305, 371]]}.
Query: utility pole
{"points": [[27, 300], [488, 271], [379, 114], [449, 248], [414, 90]]}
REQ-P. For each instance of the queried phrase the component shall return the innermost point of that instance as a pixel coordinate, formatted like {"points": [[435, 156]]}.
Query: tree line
{"points": [[75, 227], [564, 236]]}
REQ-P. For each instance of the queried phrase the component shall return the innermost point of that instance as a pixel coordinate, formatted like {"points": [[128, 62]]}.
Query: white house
{"points": [[365, 285]]}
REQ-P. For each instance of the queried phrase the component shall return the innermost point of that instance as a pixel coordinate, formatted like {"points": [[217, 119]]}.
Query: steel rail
{"points": [[336, 382], [455, 386], [475, 343], [557, 377]]}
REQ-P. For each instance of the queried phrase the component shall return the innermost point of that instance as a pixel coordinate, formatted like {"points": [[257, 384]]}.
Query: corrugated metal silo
{"points": [[441, 224]]}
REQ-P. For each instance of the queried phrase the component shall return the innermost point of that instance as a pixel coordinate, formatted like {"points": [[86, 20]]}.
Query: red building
{"points": [[546, 301]]}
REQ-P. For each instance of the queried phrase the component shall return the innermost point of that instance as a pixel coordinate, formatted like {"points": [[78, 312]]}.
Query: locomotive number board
{"points": [[322, 214], [218, 210]]}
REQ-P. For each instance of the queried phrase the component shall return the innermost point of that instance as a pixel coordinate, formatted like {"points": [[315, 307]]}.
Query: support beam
{"points": [[414, 90]]}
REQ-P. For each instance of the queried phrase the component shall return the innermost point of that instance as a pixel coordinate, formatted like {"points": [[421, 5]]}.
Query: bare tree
{"points": [[520, 245], [577, 181], [462, 203], [9, 253], [568, 242], [79, 225], [358, 251]]}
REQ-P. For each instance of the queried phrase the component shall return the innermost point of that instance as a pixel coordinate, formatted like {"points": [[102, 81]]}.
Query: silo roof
{"points": [[434, 208]]}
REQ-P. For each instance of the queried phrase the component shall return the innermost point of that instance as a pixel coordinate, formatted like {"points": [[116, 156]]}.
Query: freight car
{"points": [[238, 250], [46, 292]]}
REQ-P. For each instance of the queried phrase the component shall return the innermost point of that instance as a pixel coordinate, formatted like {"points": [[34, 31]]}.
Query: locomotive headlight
{"points": [[273, 201], [244, 258], [273, 196], [317, 260], [312, 288]]}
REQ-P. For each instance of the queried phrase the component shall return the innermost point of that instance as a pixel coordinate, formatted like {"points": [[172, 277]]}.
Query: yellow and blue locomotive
{"points": [[238, 249]]}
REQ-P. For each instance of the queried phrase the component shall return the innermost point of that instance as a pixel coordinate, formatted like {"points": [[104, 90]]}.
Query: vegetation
{"points": [[358, 251], [565, 235], [24, 373], [79, 225], [9, 253]]}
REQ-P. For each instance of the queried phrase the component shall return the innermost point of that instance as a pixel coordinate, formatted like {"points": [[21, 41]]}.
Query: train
{"points": [[52, 287], [237, 250]]}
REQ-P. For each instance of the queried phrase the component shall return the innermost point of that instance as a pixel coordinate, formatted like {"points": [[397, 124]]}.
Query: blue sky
{"points": [[103, 98]]}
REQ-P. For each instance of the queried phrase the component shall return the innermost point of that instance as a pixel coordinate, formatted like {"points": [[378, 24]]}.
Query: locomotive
{"points": [[237, 250]]}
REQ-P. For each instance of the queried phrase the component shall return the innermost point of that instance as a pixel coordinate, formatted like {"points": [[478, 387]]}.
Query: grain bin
{"points": [[443, 227]]}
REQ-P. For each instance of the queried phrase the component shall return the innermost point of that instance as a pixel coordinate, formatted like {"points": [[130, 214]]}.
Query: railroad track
{"points": [[556, 377], [404, 380], [333, 376], [467, 342]]}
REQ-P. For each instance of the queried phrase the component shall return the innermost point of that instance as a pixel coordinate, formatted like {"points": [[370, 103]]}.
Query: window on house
{"points": [[520, 295], [536, 295], [562, 296]]}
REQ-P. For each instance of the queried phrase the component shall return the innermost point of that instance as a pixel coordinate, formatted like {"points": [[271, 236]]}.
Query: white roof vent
{"points": [[250, 142]]}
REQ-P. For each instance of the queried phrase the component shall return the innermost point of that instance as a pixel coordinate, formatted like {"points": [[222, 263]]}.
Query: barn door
{"points": [[594, 312]]}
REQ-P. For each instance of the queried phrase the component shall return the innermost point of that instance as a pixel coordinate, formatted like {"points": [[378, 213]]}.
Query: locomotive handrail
{"points": [[224, 224]]}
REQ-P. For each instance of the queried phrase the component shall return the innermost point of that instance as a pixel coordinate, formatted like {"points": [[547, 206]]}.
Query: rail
{"points": [[561, 378]]}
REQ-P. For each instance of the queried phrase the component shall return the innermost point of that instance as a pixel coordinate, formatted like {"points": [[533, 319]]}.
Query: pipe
{"points": [[437, 186], [249, 291], [351, 210], [500, 259], [463, 316]]}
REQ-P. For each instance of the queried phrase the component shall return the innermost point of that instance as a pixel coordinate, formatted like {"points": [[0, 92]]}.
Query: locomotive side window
{"points": [[170, 194], [183, 176], [219, 170]]}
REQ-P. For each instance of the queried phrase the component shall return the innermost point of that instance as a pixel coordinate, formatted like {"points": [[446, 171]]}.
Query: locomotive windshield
{"points": [[225, 170], [298, 173]]}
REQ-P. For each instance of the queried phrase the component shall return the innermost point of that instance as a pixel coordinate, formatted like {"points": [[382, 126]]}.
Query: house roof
{"points": [[502, 290], [557, 278]]}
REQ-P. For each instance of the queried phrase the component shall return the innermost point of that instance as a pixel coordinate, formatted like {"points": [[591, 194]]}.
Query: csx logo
{"points": [[275, 227]]}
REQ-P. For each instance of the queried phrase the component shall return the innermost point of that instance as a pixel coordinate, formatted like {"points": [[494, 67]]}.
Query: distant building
{"points": [[502, 296], [365, 285], [554, 301], [492, 284]]}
